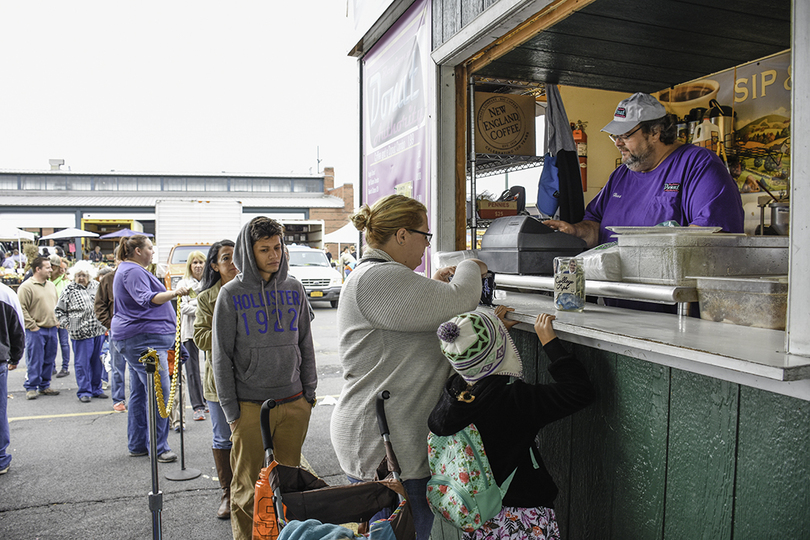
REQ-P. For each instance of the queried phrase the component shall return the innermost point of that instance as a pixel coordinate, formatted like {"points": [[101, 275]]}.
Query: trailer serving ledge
{"points": [[752, 357]]}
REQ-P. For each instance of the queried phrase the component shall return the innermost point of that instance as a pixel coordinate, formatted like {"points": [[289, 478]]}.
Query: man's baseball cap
{"points": [[632, 111]]}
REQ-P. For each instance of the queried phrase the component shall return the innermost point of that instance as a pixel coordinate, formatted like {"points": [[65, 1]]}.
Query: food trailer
{"points": [[700, 426]]}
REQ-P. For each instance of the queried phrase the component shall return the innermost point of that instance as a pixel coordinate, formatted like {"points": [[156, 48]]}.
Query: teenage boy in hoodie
{"points": [[262, 349]]}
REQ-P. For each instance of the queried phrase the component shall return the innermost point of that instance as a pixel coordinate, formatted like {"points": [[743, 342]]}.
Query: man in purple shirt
{"points": [[662, 179]]}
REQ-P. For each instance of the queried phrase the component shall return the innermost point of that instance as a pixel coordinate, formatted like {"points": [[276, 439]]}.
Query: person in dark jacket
{"points": [[487, 391], [12, 345], [103, 306]]}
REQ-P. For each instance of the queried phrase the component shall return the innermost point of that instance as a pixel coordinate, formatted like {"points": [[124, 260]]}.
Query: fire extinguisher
{"points": [[581, 138]]}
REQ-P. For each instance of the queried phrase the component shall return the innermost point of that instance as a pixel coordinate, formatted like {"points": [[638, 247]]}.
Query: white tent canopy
{"points": [[70, 233], [13, 234], [345, 235]]}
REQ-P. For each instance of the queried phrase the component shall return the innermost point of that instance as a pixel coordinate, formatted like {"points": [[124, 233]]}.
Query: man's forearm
{"points": [[588, 231]]}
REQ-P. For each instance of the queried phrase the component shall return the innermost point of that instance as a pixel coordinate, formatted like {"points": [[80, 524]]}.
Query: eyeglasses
{"points": [[623, 138], [427, 235]]}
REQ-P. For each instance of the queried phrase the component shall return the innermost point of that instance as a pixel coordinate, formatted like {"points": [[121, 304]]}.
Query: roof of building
{"points": [[158, 174], [147, 199]]}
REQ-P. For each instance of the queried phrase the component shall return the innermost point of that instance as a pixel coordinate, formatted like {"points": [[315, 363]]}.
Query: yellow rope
{"points": [[164, 408]]}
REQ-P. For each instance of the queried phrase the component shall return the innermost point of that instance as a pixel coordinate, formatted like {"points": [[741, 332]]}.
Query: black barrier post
{"points": [[150, 359], [183, 473]]}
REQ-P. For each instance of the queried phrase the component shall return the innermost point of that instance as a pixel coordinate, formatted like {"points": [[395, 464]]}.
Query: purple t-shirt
{"points": [[133, 310], [691, 186]]}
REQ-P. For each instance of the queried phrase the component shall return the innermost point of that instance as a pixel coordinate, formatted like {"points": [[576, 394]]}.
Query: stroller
{"points": [[285, 494]]}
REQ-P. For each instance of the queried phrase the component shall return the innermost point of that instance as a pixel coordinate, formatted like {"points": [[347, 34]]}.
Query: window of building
{"points": [[79, 183], [280, 186], [106, 183], [146, 183], [307, 186], [174, 184], [197, 184], [8, 182], [33, 182], [127, 183], [240, 184], [215, 184]]}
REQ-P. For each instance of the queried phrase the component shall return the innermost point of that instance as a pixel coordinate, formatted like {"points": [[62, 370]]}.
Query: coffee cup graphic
{"points": [[685, 97]]}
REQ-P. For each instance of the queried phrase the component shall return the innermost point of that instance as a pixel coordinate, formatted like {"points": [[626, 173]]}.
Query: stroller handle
{"points": [[264, 418], [381, 420], [393, 464]]}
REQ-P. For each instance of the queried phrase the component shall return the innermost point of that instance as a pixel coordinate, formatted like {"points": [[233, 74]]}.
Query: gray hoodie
{"points": [[262, 342]]}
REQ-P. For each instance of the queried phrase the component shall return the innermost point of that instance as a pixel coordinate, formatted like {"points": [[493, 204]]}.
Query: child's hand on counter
{"points": [[543, 328], [500, 312]]}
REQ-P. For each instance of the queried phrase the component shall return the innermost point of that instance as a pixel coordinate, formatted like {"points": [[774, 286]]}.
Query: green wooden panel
{"points": [[773, 467], [639, 443], [589, 513], [554, 442], [702, 457]]}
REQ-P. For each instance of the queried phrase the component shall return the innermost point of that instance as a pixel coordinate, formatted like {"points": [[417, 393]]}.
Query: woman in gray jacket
{"points": [[387, 320]]}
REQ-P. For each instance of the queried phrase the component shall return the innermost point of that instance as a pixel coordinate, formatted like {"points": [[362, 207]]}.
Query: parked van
{"points": [[312, 268]]}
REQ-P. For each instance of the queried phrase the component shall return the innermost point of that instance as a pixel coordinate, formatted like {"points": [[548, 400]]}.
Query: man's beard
{"points": [[638, 161]]}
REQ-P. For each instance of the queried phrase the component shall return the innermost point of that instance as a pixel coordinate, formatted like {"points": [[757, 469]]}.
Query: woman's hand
{"points": [[233, 424], [181, 291], [444, 274], [500, 312], [543, 328]]}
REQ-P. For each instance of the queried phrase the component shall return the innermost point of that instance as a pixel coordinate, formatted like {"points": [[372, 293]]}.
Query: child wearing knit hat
{"points": [[508, 412]]}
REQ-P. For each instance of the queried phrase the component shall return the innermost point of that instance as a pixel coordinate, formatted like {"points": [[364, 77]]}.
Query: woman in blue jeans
{"points": [[143, 319], [219, 270]]}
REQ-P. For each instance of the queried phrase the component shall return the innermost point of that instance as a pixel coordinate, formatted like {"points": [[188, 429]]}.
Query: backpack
{"points": [[462, 488]]}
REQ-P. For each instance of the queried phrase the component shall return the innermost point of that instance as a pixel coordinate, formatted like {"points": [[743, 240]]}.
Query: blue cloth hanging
{"points": [[548, 187]]}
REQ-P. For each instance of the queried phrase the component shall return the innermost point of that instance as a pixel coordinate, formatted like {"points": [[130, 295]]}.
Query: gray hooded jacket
{"points": [[262, 342]]}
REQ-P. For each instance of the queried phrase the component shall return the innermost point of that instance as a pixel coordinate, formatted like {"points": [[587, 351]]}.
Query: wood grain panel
{"points": [[470, 9], [640, 447], [593, 443], [702, 452], [773, 467]]}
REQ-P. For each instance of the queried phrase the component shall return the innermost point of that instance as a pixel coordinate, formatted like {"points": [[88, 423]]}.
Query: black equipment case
{"points": [[523, 245]]}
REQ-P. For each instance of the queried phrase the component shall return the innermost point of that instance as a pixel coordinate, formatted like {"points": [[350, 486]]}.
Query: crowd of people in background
{"points": [[252, 320]]}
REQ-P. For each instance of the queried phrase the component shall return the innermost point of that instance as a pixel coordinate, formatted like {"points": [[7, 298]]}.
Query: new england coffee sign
{"points": [[504, 124]]}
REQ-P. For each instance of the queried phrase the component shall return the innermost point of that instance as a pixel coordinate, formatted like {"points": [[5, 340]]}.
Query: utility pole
{"points": [[318, 158]]}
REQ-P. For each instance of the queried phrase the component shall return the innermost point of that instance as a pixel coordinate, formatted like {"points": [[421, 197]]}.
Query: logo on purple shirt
{"points": [[672, 187]]}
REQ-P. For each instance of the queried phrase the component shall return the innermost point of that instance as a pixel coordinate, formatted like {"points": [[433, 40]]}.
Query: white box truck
{"points": [[187, 225]]}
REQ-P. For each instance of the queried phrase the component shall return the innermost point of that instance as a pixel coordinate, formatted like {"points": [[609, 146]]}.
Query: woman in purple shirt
{"points": [[143, 318]]}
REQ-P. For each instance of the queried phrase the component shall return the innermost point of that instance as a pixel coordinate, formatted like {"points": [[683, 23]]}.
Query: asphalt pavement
{"points": [[71, 475]]}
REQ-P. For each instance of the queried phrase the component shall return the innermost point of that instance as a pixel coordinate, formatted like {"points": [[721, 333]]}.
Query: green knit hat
{"points": [[477, 345]]}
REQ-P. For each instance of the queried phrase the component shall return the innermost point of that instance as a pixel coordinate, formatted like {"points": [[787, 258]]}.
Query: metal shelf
{"points": [[492, 164]]}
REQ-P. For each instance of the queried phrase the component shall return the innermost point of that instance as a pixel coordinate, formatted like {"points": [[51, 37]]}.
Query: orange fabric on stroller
{"points": [[285, 493]]}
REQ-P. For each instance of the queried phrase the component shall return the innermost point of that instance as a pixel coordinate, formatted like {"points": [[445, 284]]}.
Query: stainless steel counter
{"points": [[751, 356], [662, 294]]}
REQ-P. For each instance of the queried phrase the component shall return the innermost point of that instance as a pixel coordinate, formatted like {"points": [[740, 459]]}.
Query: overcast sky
{"points": [[178, 86]]}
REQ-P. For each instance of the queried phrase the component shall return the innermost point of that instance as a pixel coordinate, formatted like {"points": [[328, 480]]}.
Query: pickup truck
{"points": [[176, 263], [312, 268]]}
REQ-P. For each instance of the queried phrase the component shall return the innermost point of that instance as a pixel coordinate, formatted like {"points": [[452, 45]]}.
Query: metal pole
{"points": [[473, 183], [183, 473], [155, 496]]}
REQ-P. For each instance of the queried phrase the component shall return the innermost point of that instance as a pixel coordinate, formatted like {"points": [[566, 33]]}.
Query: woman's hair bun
{"points": [[361, 218]]}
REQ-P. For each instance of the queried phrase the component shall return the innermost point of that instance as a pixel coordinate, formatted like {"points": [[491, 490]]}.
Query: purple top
{"points": [[133, 310], [691, 186]]}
